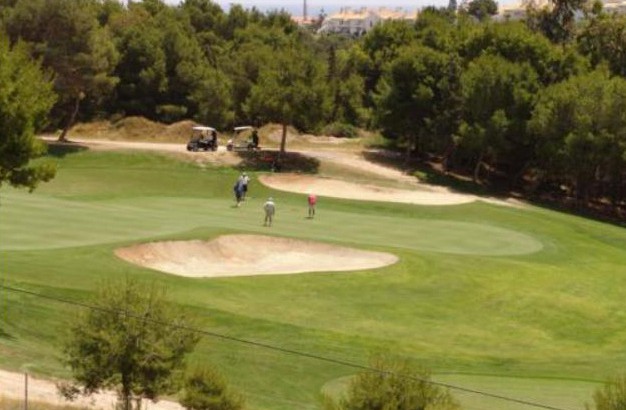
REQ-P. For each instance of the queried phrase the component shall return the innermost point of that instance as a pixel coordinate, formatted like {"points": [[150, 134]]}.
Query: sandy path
{"points": [[221, 157], [12, 386]]}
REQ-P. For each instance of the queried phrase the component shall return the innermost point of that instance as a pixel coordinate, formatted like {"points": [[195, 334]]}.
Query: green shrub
{"points": [[169, 113], [206, 389], [611, 396], [340, 129], [393, 384]]}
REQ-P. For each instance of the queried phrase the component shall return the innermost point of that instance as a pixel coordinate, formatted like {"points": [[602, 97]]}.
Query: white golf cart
{"points": [[202, 139], [245, 138]]}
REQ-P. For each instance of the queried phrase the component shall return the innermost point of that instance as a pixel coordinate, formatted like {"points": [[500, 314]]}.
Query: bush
{"points": [[393, 385], [611, 396], [340, 129], [169, 113], [206, 389]]}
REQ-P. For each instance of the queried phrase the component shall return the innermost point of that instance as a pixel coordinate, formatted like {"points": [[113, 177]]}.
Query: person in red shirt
{"points": [[312, 199]]}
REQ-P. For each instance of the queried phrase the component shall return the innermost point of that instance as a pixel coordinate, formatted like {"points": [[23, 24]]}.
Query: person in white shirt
{"points": [[270, 209], [244, 184]]}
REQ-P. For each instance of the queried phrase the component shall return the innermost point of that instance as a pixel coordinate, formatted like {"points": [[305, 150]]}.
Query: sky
{"points": [[314, 6]]}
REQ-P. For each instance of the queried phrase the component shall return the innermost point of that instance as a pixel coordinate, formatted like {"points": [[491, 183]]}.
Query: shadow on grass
{"points": [[61, 149], [270, 161], [429, 173], [5, 335]]}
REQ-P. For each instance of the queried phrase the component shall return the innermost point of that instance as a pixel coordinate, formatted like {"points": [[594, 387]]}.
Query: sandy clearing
{"points": [[42, 390], [247, 255]]}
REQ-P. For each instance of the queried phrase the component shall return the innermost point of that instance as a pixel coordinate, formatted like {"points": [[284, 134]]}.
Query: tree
{"points": [[291, 91], [26, 97], [412, 94], [142, 68], [66, 34], [131, 341], [482, 9], [611, 396], [579, 128], [345, 85], [558, 22], [602, 40], [206, 389], [393, 385], [381, 45], [516, 43], [498, 98]]}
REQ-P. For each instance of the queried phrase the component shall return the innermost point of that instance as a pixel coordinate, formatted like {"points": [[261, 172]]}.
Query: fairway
{"points": [[32, 219], [520, 302]]}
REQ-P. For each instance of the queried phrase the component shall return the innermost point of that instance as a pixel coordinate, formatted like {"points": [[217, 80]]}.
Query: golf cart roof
{"points": [[243, 128], [203, 128]]}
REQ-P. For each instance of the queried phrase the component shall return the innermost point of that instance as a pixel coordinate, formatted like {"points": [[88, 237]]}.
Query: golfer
{"points": [[245, 179], [270, 209], [238, 189], [312, 200]]}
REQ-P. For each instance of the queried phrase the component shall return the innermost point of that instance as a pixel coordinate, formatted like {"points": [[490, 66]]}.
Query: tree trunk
{"points": [[127, 403], [71, 119], [283, 140], [409, 150], [477, 167], [447, 158], [518, 175]]}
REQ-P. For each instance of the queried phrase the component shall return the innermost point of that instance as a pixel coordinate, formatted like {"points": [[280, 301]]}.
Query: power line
{"points": [[282, 349]]}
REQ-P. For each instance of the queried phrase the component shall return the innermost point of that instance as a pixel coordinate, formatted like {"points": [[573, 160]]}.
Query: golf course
{"points": [[516, 301]]}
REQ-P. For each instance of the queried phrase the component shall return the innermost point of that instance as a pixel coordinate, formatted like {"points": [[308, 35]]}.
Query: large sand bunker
{"points": [[426, 195], [244, 255]]}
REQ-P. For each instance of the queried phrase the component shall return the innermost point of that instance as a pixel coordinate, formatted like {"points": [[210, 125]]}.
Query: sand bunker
{"points": [[245, 255], [364, 192]]}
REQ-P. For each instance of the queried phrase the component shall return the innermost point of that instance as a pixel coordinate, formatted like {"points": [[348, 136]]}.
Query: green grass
{"points": [[526, 303]]}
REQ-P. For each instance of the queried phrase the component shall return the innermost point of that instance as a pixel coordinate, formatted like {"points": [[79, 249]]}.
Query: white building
{"points": [[357, 22], [615, 6], [518, 11]]}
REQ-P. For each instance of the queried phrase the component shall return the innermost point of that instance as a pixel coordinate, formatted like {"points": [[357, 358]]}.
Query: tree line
{"points": [[534, 105]]}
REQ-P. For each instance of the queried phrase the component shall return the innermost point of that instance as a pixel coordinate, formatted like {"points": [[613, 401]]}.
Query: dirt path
{"points": [[41, 390]]}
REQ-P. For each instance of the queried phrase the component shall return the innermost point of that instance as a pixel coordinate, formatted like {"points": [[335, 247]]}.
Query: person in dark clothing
{"points": [[255, 139], [214, 139], [238, 189]]}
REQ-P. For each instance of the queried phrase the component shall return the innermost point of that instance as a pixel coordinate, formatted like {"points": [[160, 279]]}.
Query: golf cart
{"points": [[202, 139], [237, 142]]}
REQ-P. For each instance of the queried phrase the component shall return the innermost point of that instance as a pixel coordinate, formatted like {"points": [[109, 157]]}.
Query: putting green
{"points": [[33, 221]]}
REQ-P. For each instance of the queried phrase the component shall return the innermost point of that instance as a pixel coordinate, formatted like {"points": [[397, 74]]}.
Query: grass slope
{"points": [[526, 303]]}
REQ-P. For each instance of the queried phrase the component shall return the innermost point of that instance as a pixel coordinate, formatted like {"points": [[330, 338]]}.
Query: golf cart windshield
{"points": [[201, 132]]}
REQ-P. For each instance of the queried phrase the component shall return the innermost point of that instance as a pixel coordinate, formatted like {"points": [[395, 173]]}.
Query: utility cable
{"points": [[282, 349]]}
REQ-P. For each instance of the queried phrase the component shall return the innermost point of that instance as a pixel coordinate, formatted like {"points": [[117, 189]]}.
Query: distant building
{"points": [[356, 22], [518, 11], [613, 6]]}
